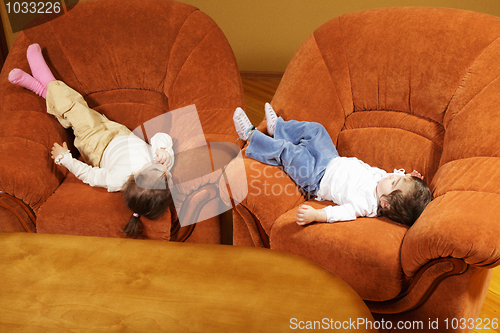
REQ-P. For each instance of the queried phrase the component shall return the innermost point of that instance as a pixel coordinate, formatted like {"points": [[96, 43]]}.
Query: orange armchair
{"points": [[133, 61], [413, 88]]}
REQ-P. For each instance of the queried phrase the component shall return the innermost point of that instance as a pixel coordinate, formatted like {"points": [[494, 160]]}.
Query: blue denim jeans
{"points": [[302, 148]]}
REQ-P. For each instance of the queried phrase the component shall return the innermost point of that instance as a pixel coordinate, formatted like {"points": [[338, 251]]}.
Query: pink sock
{"points": [[23, 79], [38, 66]]}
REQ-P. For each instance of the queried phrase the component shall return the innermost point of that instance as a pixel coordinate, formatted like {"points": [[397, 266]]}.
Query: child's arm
{"points": [[162, 148], [358, 206], [306, 214], [84, 172]]}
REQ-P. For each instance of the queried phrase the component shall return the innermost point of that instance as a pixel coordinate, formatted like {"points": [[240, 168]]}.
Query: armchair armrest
{"points": [[27, 134], [462, 221]]}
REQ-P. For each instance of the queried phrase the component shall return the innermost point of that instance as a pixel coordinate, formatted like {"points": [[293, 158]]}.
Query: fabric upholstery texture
{"points": [[132, 61], [408, 87]]}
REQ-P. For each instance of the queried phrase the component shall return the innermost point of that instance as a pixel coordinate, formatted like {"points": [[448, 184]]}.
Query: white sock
{"points": [[242, 124], [271, 119]]}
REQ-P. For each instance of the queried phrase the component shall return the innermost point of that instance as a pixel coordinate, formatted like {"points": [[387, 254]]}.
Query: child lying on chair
{"points": [[308, 155], [115, 158]]}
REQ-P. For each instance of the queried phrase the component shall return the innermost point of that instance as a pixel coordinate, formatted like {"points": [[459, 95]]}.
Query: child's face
{"points": [[393, 183]]}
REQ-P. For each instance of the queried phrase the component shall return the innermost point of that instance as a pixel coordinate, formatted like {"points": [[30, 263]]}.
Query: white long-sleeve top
{"points": [[124, 155], [351, 184]]}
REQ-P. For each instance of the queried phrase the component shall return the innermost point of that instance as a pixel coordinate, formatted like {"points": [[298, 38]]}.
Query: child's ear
{"points": [[384, 202]]}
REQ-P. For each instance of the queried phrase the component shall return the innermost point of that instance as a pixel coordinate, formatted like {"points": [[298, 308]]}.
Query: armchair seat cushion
{"points": [[365, 253], [78, 209]]}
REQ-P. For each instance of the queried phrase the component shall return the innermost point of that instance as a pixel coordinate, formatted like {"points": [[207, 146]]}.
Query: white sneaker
{"points": [[243, 126], [271, 119]]}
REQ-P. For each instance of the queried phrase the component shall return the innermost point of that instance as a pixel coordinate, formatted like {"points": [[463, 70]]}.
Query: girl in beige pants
{"points": [[115, 158]]}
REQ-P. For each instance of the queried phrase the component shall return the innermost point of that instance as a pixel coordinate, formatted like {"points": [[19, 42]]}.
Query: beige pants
{"points": [[93, 131]]}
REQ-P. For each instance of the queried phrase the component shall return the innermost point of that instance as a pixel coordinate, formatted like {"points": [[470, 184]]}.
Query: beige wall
{"points": [[264, 34]]}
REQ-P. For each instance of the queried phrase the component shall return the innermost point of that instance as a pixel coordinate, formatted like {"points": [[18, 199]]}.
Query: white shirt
{"points": [[351, 184], [124, 155]]}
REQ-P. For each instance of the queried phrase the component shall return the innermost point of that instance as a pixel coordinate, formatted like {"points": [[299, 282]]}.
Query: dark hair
{"points": [[147, 195], [407, 209]]}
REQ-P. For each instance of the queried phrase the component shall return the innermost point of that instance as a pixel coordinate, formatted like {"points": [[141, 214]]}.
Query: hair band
{"points": [[135, 215]]}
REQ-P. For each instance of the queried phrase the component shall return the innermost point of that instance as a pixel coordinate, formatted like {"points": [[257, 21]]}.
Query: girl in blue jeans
{"points": [[307, 154]]}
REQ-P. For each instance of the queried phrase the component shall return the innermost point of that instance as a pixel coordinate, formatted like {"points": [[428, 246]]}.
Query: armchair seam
{"points": [[396, 128], [123, 88], [191, 53], [463, 80], [27, 140], [65, 55], [474, 191], [189, 56], [330, 74], [170, 54], [264, 237], [347, 62], [331, 78]]}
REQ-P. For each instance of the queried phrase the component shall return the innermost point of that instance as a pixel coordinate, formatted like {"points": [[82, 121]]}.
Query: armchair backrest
{"points": [[407, 87], [159, 54]]}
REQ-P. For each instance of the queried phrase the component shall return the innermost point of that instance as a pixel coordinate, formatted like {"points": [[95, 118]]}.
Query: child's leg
{"points": [[38, 66], [92, 130], [304, 149], [242, 124], [41, 72], [271, 119], [244, 127], [21, 78]]}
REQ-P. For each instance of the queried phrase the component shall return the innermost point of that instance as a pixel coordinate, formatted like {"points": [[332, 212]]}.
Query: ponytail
{"points": [[134, 226], [147, 195]]}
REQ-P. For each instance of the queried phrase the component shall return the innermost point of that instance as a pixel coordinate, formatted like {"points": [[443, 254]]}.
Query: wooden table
{"points": [[56, 283]]}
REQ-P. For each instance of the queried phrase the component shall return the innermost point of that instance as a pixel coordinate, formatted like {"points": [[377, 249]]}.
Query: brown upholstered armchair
{"points": [[133, 61], [413, 88]]}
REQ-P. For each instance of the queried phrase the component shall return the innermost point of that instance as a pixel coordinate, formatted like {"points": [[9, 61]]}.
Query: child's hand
{"points": [[306, 214], [163, 157], [58, 149], [415, 173]]}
